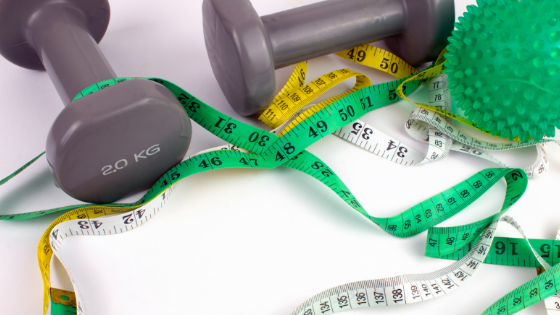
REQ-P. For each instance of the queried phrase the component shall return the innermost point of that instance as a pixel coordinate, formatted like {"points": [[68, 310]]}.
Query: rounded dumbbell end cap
{"points": [[117, 141], [17, 16], [428, 25], [240, 54]]}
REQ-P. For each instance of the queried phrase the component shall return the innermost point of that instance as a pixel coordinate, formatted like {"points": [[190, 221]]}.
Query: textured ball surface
{"points": [[504, 67]]}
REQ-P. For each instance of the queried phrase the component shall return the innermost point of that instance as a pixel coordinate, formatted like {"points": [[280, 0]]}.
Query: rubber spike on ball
{"points": [[514, 44]]}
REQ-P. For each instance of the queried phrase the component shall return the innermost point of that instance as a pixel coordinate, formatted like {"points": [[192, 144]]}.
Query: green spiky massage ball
{"points": [[504, 67]]}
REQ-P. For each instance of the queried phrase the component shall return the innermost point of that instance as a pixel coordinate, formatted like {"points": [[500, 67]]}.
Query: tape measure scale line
{"points": [[433, 118], [337, 115], [438, 69], [284, 106], [362, 81], [370, 55], [372, 97], [439, 238], [377, 142], [35, 214], [446, 243], [413, 288], [507, 251], [552, 304], [463, 143], [210, 119], [379, 59], [226, 132], [543, 286], [45, 252], [295, 82]]}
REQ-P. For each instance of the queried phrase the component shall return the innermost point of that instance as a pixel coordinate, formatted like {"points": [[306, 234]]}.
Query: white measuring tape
{"points": [[429, 127], [106, 225], [406, 289]]}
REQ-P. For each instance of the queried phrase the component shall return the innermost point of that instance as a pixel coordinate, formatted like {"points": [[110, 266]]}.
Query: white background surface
{"points": [[240, 241]]}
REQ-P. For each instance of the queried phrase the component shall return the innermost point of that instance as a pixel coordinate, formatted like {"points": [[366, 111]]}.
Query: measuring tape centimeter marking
{"points": [[375, 141], [552, 303], [435, 71], [543, 286], [287, 103], [377, 58], [446, 243], [508, 251]]}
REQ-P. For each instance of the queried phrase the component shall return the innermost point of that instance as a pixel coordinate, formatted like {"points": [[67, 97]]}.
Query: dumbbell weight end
{"points": [[114, 142], [245, 49]]}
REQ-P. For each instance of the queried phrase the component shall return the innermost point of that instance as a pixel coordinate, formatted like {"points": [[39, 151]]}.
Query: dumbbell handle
{"points": [[307, 32], [68, 51]]}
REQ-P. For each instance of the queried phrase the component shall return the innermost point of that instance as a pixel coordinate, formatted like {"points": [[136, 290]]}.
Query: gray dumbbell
{"points": [[114, 142], [245, 49]]}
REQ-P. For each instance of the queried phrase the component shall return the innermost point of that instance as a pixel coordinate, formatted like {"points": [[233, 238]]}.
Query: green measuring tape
{"points": [[270, 151]]}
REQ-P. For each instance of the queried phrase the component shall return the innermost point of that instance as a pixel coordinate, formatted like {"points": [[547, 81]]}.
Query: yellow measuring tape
{"points": [[296, 94]]}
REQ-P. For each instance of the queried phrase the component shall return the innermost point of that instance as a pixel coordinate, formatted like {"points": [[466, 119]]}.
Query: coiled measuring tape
{"points": [[426, 123], [270, 151]]}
